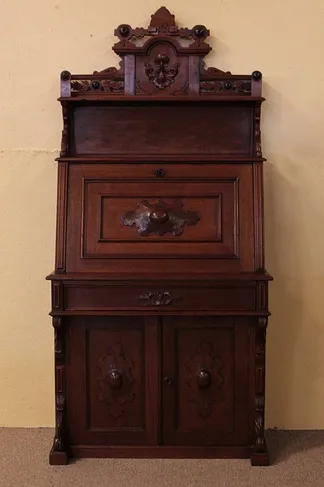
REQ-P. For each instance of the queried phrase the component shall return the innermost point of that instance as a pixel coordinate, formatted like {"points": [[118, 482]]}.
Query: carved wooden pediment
{"points": [[161, 60]]}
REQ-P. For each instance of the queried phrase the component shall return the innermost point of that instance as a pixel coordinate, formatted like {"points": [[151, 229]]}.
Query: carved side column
{"points": [[65, 132], [58, 455], [257, 130], [260, 454]]}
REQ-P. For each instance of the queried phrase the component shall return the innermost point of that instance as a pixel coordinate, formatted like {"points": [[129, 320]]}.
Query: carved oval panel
{"points": [[162, 72]]}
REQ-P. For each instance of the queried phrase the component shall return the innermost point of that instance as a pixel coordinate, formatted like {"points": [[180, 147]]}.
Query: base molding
{"points": [[80, 451]]}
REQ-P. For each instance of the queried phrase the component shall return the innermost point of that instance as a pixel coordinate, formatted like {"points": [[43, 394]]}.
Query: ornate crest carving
{"points": [[115, 380], [155, 61], [204, 371], [161, 76], [159, 217]]}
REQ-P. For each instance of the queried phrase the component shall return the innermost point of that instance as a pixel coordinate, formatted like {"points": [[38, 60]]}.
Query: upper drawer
{"points": [[169, 129], [197, 212], [101, 296]]}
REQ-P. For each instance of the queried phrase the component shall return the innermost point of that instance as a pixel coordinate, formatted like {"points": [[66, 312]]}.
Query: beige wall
{"points": [[283, 39]]}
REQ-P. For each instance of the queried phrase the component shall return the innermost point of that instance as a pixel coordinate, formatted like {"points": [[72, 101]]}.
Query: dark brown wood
{"points": [[203, 410], [107, 192], [112, 381], [160, 293], [58, 453], [62, 196], [167, 128], [160, 451]]}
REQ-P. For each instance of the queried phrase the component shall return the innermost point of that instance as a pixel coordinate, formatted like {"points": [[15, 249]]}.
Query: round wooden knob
{"points": [[203, 379], [115, 379], [159, 216], [168, 381]]}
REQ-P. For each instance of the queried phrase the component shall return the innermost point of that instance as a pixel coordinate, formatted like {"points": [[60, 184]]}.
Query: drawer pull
{"points": [[161, 298], [160, 217], [203, 379], [160, 173], [115, 379]]}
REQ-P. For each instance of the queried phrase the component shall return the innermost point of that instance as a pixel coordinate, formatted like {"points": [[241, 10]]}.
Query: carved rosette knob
{"points": [[115, 379], [203, 379]]}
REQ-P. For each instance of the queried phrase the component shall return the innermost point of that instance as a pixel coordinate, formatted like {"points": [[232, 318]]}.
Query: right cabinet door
{"points": [[206, 386]]}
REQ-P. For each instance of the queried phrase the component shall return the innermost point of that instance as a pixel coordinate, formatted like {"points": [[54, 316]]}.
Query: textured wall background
{"points": [[282, 39]]}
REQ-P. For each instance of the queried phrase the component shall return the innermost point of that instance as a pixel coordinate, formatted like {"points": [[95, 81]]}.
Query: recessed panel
{"points": [[197, 217], [135, 219], [205, 128]]}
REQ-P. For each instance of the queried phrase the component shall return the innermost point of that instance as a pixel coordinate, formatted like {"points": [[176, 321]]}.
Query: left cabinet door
{"points": [[112, 389]]}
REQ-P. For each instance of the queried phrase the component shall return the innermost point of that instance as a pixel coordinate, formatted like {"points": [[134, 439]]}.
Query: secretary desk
{"points": [[160, 293]]}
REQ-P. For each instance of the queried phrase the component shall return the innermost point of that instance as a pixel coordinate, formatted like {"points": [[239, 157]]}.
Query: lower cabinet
{"points": [[172, 380]]}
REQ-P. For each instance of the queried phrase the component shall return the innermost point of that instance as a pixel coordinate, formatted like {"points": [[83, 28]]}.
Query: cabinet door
{"points": [[112, 380], [206, 381]]}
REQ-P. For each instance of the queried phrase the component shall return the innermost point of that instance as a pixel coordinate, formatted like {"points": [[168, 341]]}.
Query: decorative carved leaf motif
{"points": [[161, 76], [218, 86], [106, 85], [204, 359], [115, 360], [159, 217]]}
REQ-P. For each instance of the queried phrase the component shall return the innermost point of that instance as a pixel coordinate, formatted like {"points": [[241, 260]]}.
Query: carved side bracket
{"points": [[159, 217], [65, 132], [257, 130], [260, 444], [60, 397]]}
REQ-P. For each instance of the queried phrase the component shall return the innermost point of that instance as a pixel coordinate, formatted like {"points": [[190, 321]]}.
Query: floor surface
{"points": [[297, 461]]}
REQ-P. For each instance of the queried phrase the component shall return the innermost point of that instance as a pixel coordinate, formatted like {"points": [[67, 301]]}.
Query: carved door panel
{"points": [[112, 392], [205, 386]]}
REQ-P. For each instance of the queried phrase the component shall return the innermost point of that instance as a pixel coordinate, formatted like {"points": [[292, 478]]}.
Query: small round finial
{"points": [[228, 85], [95, 85], [124, 31], [257, 75], [199, 31], [65, 75]]}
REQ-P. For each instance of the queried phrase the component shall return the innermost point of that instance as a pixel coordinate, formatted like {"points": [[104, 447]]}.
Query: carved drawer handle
{"points": [[203, 379], [115, 379], [160, 173], [162, 298], [160, 217]]}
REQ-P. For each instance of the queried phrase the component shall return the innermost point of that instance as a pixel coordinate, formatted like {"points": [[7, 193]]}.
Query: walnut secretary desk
{"points": [[160, 293]]}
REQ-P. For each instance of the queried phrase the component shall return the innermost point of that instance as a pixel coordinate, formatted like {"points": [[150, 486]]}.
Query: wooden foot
{"points": [[260, 459], [58, 457]]}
